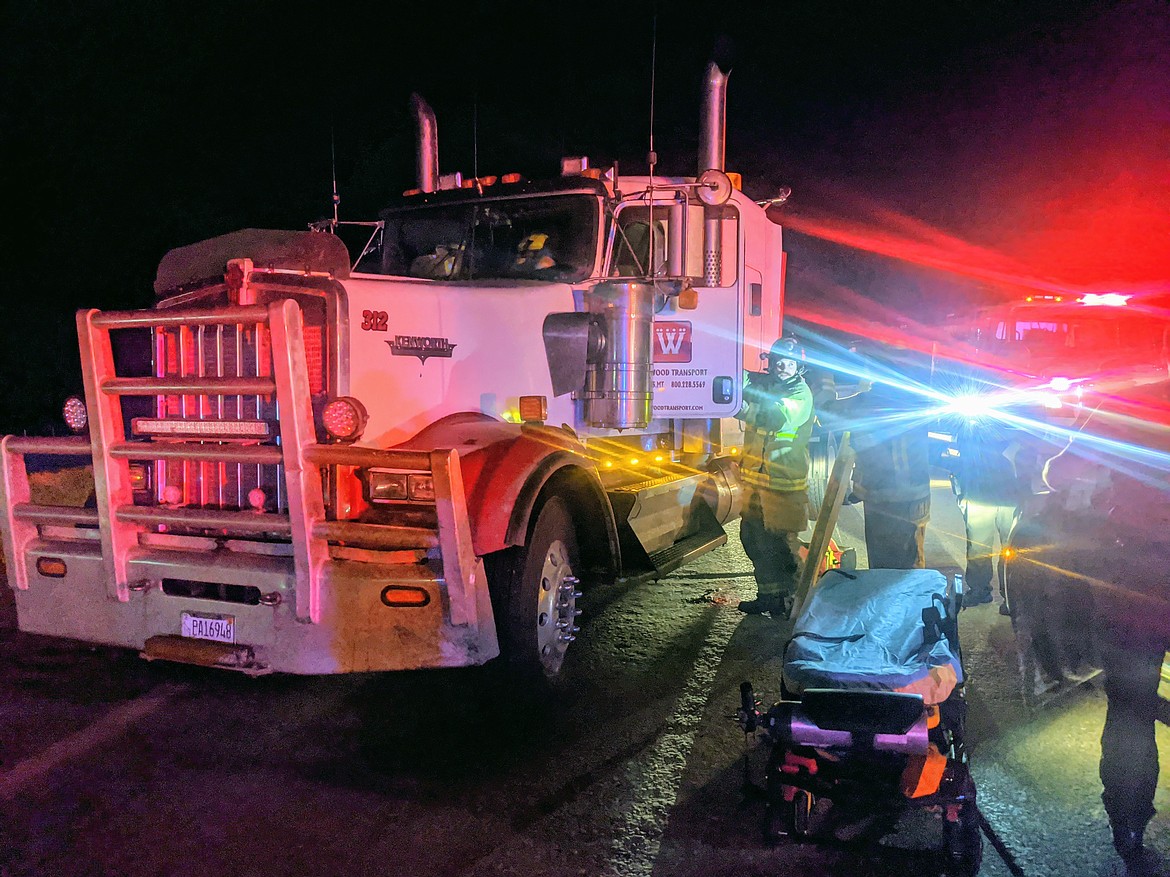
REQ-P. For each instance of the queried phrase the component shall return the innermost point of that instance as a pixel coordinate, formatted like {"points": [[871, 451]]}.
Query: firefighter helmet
{"points": [[534, 253], [785, 350]]}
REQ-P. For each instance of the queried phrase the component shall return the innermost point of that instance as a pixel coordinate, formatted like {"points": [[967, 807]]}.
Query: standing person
{"points": [[1095, 568], [988, 487], [889, 432], [778, 420]]}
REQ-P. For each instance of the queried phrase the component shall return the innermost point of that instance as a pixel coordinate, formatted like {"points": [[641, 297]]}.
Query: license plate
{"points": [[219, 628]]}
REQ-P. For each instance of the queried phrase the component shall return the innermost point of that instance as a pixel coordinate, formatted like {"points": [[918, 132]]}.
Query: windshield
{"points": [[550, 237], [1082, 331]]}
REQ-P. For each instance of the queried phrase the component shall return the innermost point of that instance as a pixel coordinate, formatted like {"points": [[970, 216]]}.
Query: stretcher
{"points": [[872, 713]]}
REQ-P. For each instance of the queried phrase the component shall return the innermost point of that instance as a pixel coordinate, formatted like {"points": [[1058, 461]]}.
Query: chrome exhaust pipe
{"points": [[712, 149], [427, 149], [713, 119]]}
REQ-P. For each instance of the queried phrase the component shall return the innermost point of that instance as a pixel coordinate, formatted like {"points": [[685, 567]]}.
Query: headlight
{"points": [[386, 486], [344, 418]]}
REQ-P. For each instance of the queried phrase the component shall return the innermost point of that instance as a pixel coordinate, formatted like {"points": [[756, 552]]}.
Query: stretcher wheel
{"points": [[790, 819], [963, 843]]}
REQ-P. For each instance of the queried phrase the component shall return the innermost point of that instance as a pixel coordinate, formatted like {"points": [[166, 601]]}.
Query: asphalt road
{"points": [[111, 767]]}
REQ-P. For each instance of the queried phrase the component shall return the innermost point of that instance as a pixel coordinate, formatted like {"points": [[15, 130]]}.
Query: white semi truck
{"points": [[418, 455]]}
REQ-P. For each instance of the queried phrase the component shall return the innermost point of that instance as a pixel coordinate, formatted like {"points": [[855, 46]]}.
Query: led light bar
{"points": [[214, 429]]}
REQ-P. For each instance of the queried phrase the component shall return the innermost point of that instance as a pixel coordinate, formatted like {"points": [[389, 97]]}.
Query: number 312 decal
{"points": [[374, 321]]}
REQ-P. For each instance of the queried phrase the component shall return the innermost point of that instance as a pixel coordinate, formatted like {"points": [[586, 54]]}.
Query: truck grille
{"points": [[224, 351]]}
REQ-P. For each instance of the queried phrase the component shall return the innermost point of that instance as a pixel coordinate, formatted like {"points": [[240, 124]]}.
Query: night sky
{"points": [[1033, 138]]}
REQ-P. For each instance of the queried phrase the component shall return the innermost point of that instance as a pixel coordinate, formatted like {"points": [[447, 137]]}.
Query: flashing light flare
{"points": [[972, 406], [1105, 299]]}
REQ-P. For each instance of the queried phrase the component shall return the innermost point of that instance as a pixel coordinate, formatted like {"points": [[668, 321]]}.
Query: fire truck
{"points": [[419, 453], [1046, 361]]}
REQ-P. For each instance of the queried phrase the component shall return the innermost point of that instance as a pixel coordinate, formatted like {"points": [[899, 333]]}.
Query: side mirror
{"points": [[772, 205], [713, 187]]}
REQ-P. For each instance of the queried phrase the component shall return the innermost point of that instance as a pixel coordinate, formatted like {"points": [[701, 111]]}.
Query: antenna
{"points": [[652, 156], [333, 160]]}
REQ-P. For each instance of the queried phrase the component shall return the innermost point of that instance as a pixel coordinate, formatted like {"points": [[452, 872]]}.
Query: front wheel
{"points": [[537, 589], [963, 843], [791, 819]]}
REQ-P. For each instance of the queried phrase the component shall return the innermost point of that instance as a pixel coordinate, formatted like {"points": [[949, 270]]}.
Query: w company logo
{"points": [[672, 342]]}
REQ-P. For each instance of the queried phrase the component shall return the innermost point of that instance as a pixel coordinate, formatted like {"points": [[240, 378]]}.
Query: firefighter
{"points": [[889, 431], [1089, 587], [440, 264], [778, 420], [988, 487], [533, 254]]}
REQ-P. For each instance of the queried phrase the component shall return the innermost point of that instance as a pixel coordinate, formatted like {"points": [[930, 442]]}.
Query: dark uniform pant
{"points": [[985, 523], [769, 529], [895, 534], [1129, 753], [1072, 607]]}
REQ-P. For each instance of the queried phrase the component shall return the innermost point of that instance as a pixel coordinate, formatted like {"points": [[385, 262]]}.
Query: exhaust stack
{"points": [[712, 143], [427, 148], [713, 119]]}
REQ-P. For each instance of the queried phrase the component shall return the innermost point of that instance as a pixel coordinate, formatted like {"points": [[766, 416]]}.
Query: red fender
{"points": [[505, 467]]}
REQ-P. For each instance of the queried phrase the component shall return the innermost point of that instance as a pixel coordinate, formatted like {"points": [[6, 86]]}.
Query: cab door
{"points": [[697, 351]]}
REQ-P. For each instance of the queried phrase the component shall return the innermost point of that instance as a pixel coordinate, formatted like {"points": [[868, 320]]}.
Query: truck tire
{"points": [[822, 452], [536, 590]]}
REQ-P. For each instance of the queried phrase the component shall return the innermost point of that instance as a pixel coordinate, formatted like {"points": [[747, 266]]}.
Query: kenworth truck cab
{"points": [[416, 454]]}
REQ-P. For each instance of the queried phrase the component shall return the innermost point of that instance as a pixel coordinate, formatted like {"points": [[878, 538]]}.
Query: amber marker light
{"points": [[52, 567], [404, 596], [533, 409]]}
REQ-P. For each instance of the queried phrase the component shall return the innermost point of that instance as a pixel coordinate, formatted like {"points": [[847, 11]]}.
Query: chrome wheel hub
{"points": [[556, 610]]}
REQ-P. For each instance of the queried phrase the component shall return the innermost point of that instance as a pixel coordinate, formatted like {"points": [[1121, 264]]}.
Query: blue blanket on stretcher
{"points": [[866, 629]]}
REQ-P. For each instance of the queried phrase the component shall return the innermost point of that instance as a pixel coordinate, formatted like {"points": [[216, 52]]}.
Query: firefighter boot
{"points": [[976, 598], [1129, 844], [763, 603]]}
